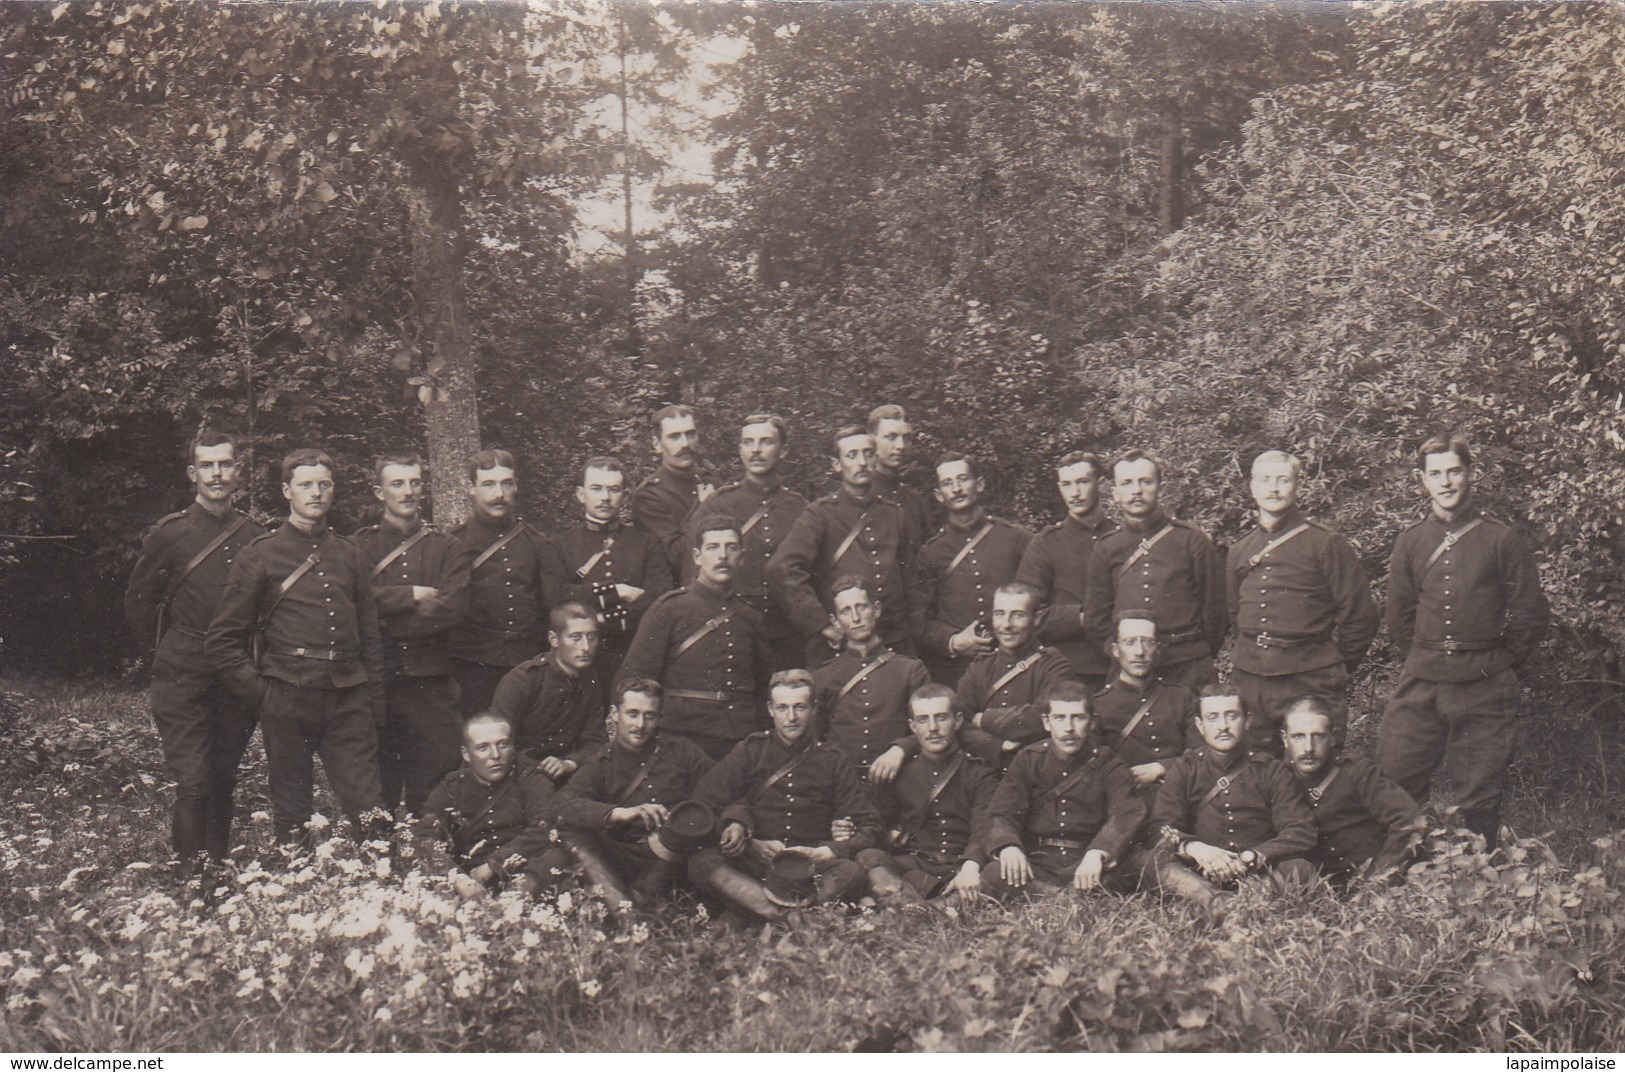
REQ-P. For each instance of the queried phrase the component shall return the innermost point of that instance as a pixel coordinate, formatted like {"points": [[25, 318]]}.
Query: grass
{"points": [[98, 951]]}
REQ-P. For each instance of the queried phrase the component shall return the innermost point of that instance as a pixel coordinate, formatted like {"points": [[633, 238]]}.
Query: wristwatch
{"points": [[1251, 859]]}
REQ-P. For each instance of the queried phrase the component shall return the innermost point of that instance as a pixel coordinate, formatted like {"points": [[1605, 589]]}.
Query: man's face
{"points": [[717, 556], [759, 448], [1447, 480], [399, 488], [634, 721], [575, 647], [488, 750], [213, 473], [1079, 485], [600, 493], [1222, 724], [1275, 488], [309, 492], [856, 614], [934, 725], [1013, 620], [957, 489], [494, 492], [792, 708], [1068, 723], [678, 442], [1308, 740], [1135, 486], [891, 443], [855, 460], [1135, 647]]}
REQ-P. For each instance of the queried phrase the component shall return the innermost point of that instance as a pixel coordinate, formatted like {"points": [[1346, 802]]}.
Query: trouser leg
{"points": [[426, 732], [1266, 699], [290, 733], [1172, 877], [602, 864], [886, 879], [348, 745], [233, 729], [1483, 720], [180, 711], [1413, 736], [712, 872]]}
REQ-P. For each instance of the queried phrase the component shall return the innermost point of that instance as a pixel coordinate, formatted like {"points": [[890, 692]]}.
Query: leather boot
{"points": [[737, 889]]}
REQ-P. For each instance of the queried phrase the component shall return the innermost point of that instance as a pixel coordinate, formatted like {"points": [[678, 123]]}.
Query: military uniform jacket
{"points": [[323, 633], [1013, 711], [1100, 810], [1057, 564], [623, 556], [417, 636], [503, 825], [1177, 583], [166, 549], [507, 608], [800, 807], [712, 687], [1304, 604], [804, 567], [865, 720], [778, 510], [955, 598], [1361, 815], [1162, 736], [1261, 807], [916, 507], [552, 713], [943, 827], [660, 503], [1478, 610], [667, 772]]}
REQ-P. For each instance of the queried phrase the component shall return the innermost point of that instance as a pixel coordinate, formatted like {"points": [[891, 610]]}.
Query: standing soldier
{"points": [[853, 531], [863, 692], [1299, 601], [302, 595], [1163, 568], [706, 647], [172, 597], [665, 496], [960, 567], [1464, 608], [507, 600], [420, 582], [769, 510], [1057, 564], [617, 570], [893, 437]]}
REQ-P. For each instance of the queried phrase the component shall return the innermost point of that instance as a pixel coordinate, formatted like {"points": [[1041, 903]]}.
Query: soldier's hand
{"points": [[967, 643], [628, 592], [1218, 865], [815, 853], [967, 882], [886, 766], [468, 887], [734, 837], [556, 768], [422, 593], [1087, 876], [1146, 773], [765, 852], [843, 829], [649, 815], [832, 633], [1013, 866]]}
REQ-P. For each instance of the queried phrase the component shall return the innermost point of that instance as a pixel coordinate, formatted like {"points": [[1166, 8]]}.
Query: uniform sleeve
{"points": [[983, 784], [723, 788], [1125, 811], [229, 645], [1290, 815], [934, 633], [582, 803], [657, 579], [366, 609], [1024, 723], [394, 600], [515, 696], [1232, 583], [1168, 812], [1007, 807], [790, 574], [1210, 590], [537, 793], [432, 834], [146, 588], [1401, 596], [1528, 613], [1100, 595], [647, 655], [1357, 618], [1391, 806], [1065, 620], [852, 802]]}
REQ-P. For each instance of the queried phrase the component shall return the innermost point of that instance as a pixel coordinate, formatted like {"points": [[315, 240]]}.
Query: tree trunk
{"points": [[1171, 180]]}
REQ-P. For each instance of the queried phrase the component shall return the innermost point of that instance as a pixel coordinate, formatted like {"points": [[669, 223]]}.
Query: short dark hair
{"points": [[774, 419], [949, 456], [648, 686], [1216, 688], [846, 582], [1035, 598], [846, 431], [1138, 455], [210, 437], [607, 462], [1317, 705], [306, 456], [485, 716], [1069, 691], [888, 412], [399, 458], [665, 413], [489, 459], [1445, 443], [1077, 457], [572, 610], [790, 679], [936, 691], [716, 523]]}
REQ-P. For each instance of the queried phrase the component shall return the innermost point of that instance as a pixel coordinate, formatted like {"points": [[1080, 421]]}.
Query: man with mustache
{"points": [[554, 702], [420, 581], [172, 595], [1300, 603], [666, 496], [863, 693], [1147, 723], [894, 437]]}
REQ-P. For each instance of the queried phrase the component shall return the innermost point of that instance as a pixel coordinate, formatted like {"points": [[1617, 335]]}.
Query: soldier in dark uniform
{"points": [[1057, 564], [768, 509], [1367, 824], [1225, 812], [1066, 810], [781, 792], [507, 598], [665, 497], [1464, 609], [853, 531], [617, 570], [172, 596], [707, 648], [893, 438], [554, 702], [862, 693], [959, 568], [486, 824], [420, 582], [624, 791], [303, 592], [933, 811], [1147, 723], [1300, 603], [1165, 568]]}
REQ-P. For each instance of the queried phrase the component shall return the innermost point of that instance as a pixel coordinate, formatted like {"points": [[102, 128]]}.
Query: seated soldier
{"points": [[1065, 810], [1368, 825], [1148, 723], [863, 693], [624, 793], [932, 810], [1225, 812], [554, 702], [486, 822], [780, 793]]}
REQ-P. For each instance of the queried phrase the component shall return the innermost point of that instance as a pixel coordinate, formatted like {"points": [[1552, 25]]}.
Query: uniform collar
{"points": [[1156, 520], [600, 526], [1289, 519], [1091, 521], [386, 525], [687, 479]]}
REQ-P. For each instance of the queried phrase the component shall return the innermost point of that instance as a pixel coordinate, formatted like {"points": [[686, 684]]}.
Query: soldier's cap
{"points": [[689, 827], [790, 882]]}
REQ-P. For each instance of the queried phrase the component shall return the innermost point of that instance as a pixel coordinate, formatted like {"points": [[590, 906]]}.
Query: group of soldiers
{"points": [[822, 701]]}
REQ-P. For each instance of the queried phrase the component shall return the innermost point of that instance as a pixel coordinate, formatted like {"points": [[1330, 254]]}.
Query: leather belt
{"points": [[325, 654], [1270, 640], [1064, 843], [714, 697], [1452, 646], [1180, 638], [195, 634]]}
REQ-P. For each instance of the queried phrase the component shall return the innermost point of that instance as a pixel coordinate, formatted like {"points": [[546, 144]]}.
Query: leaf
{"points": [[324, 192], [194, 223], [1191, 1019], [402, 361]]}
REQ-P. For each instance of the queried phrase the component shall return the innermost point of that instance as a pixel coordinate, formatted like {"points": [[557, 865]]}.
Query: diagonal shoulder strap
{"points": [[1059, 789], [856, 679], [1248, 566], [293, 578], [1144, 709], [970, 545], [1320, 790], [410, 542], [1147, 544], [626, 794], [1450, 540], [851, 537], [1014, 672], [755, 519], [504, 791], [586, 567], [702, 632], [485, 555], [196, 560], [1225, 782], [913, 831], [784, 772]]}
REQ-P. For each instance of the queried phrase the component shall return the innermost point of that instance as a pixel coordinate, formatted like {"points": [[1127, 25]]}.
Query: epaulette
{"points": [[530, 663], [167, 518], [1047, 529], [827, 500], [1315, 522], [728, 487], [1259, 756], [670, 592], [368, 528], [1036, 746], [759, 735], [264, 536], [652, 478], [1045, 649]]}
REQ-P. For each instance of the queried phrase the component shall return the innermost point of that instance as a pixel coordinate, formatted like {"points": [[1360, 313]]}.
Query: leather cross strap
{"points": [[411, 542], [1144, 709], [1320, 790], [701, 633], [856, 679], [1014, 672], [755, 519], [1450, 540], [293, 578], [851, 537], [1147, 544], [970, 545], [1224, 782], [904, 837], [196, 560], [783, 772], [626, 794], [1252, 562], [485, 555], [586, 567], [1059, 789]]}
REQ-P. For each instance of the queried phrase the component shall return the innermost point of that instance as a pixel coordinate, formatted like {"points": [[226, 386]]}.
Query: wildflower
{"points": [[383, 1014], [89, 959], [591, 987], [566, 903], [361, 964], [318, 821], [261, 817]]}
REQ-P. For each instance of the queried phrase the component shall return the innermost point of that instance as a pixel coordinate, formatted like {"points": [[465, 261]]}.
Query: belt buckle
{"points": [[1262, 640]]}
